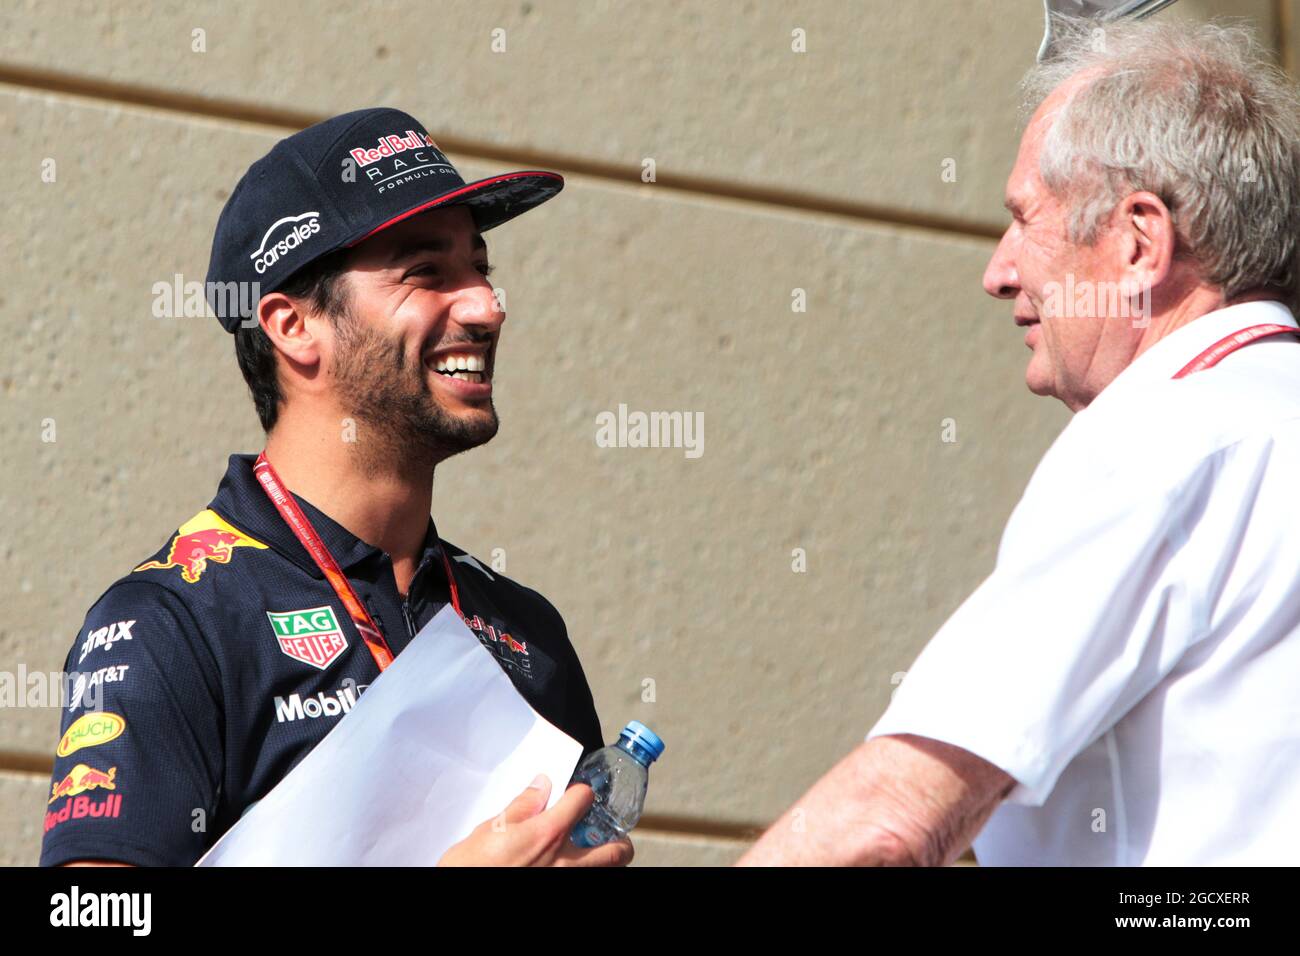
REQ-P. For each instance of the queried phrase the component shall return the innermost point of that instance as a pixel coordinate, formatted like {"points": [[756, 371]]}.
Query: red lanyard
{"points": [[1229, 344], [311, 540]]}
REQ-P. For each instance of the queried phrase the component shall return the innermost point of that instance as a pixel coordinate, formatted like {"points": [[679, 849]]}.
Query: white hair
{"points": [[1197, 115]]}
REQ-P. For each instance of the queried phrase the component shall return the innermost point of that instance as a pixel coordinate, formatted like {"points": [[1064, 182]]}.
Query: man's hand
{"points": [[897, 800], [524, 835]]}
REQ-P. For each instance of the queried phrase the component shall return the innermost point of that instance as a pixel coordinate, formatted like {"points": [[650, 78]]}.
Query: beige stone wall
{"points": [[775, 170]]}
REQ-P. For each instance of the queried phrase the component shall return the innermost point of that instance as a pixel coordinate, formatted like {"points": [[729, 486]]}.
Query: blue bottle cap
{"points": [[643, 736]]}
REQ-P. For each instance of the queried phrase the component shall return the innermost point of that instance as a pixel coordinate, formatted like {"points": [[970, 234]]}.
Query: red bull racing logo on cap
{"points": [[391, 145], [205, 537], [398, 159], [312, 636]]}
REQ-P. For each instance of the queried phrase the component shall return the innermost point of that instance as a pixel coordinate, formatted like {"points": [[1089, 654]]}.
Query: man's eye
{"points": [[425, 270], [486, 269]]}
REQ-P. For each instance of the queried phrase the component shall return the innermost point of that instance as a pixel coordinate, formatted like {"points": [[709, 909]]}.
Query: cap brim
{"points": [[492, 201]]}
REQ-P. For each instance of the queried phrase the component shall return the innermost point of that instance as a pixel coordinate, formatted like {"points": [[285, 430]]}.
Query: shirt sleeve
{"points": [[1090, 606], [580, 706], [139, 763]]}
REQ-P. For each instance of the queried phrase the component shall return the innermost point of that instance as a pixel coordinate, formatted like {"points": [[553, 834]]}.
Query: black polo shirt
{"points": [[209, 671]]}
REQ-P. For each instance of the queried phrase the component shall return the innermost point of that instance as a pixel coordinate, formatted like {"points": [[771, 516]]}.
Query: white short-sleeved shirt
{"points": [[1133, 661]]}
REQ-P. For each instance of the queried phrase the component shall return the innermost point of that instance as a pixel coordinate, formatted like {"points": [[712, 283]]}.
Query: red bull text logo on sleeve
{"points": [[85, 805], [205, 537], [80, 779]]}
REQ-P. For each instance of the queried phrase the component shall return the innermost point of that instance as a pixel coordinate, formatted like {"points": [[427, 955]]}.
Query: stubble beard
{"points": [[402, 426]]}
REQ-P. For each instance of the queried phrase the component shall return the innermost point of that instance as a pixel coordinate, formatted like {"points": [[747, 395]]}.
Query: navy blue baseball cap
{"points": [[334, 185]]}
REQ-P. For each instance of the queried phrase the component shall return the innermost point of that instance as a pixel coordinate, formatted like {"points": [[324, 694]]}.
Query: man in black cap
{"points": [[368, 342]]}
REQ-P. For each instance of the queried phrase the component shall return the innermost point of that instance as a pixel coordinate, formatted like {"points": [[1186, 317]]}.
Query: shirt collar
{"points": [[241, 501], [1167, 357]]}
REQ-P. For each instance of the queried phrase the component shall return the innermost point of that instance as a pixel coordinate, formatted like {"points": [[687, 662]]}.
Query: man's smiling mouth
{"points": [[465, 368], [467, 364]]}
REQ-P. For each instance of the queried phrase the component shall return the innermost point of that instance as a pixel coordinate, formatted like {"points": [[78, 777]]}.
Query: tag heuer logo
{"points": [[312, 635]]}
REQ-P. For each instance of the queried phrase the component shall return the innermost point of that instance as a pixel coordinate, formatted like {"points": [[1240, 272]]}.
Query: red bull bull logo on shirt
{"points": [[82, 778], [205, 537]]}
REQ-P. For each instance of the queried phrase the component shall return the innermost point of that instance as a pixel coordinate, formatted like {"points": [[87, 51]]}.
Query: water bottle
{"points": [[618, 775]]}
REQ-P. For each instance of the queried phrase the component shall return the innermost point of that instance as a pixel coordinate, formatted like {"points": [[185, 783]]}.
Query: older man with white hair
{"points": [[1123, 688]]}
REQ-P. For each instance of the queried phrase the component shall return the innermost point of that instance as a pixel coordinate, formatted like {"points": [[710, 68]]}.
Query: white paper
{"points": [[439, 743]]}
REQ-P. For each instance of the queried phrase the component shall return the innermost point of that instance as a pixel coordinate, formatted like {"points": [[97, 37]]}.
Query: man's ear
{"points": [[295, 334], [1149, 239]]}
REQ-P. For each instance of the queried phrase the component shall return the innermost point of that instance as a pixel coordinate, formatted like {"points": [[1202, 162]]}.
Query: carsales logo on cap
{"points": [[298, 232], [391, 145]]}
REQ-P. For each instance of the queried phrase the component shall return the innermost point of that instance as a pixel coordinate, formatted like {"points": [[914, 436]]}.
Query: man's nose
{"points": [[478, 305], [1000, 278]]}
